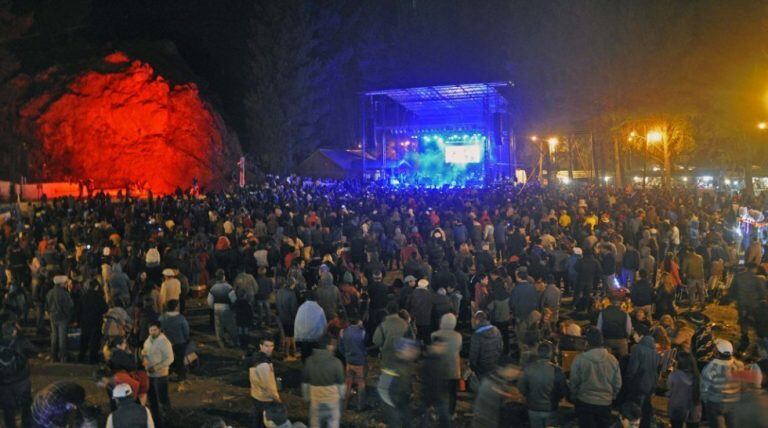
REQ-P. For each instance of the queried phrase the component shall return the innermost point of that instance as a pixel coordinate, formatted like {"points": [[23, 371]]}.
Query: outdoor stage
{"points": [[456, 135]]}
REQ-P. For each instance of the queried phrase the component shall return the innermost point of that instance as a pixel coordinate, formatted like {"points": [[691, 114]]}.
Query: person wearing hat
{"points": [[419, 306], [129, 412], [409, 285], [170, 289], [570, 266], [60, 308], [721, 390], [595, 382], [485, 346]]}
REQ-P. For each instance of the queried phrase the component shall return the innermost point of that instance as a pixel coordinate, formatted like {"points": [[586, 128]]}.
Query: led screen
{"points": [[463, 154]]}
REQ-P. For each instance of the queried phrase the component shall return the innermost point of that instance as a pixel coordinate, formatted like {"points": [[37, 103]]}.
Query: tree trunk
{"points": [[749, 186], [667, 166], [616, 163]]}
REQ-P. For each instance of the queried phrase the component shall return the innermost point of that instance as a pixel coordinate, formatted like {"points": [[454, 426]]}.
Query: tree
{"points": [[283, 107]]}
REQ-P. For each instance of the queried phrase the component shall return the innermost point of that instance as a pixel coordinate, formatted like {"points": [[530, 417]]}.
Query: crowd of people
{"points": [[524, 297]]}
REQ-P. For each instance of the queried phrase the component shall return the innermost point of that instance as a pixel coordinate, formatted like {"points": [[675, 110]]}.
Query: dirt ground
{"points": [[220, 386]]}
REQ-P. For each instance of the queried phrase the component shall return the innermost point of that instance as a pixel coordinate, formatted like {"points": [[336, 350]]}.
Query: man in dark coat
{"points": [[485, 346], [642, 373], [420, 304], [92, 310], [15, 384]]}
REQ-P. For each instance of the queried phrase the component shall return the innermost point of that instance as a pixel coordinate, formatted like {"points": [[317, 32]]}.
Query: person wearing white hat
{"points": [[129, 412], [420, 305], [60, 307], [170, 289], [721, 390]]}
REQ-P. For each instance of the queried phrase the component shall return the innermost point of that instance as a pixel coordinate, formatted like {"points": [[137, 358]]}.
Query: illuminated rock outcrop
{"points": [[120, 122]]}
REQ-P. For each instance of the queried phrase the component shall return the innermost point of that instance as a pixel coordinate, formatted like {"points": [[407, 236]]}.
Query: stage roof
{"points": [[465, 102]]}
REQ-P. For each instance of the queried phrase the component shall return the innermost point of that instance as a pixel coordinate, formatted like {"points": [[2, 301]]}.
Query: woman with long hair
{"points": [[684, 406]]}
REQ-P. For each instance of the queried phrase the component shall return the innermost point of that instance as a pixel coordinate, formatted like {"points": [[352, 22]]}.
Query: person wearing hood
{"points": [[642, 373], [683, 393], [119, 284], [420, 305], [721, 390], [595, 382], [328, 296], [309, 325], [453, 341], [485, 346]]}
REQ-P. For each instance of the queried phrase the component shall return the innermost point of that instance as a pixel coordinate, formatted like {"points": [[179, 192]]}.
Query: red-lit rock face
{"points": [[129, 125]]}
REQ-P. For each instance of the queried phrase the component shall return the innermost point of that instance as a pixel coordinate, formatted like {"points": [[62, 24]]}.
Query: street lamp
{"points": [[553, 141], [762, 126]]}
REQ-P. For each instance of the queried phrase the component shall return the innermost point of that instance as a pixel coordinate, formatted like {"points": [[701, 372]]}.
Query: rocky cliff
{"points": [[121, 122]]}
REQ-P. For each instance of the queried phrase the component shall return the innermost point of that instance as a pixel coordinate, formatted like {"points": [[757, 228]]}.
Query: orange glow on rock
{"points": [[129, 125]]}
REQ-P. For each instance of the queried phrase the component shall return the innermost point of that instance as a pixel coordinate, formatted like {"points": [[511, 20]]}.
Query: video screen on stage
{"points": [[463, 154]]}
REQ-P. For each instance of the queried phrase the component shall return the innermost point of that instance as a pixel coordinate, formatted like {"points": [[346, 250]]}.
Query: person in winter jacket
{"points": [[263, 383], [157, 357], [499, 313], [420, 304], [642, 293], [287, 305], [683, 393], [748, 290], [495, 390], [394, 384], [642, 373], [322, 385], [92, 310], [543, 385], [389, 332], [352, 347], [720, 389], [328, 296], [220, 298], [570, 266], [587, 272], [453, 342], [170, 289], [15, 383], [119, 284], [60, 307], [309, 326], [485, 346], [176, 329], [129, 413], [595, 382]]}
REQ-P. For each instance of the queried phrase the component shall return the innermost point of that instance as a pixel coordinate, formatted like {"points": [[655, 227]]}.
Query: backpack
{"points": [[112, 327], [11, 361]]}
